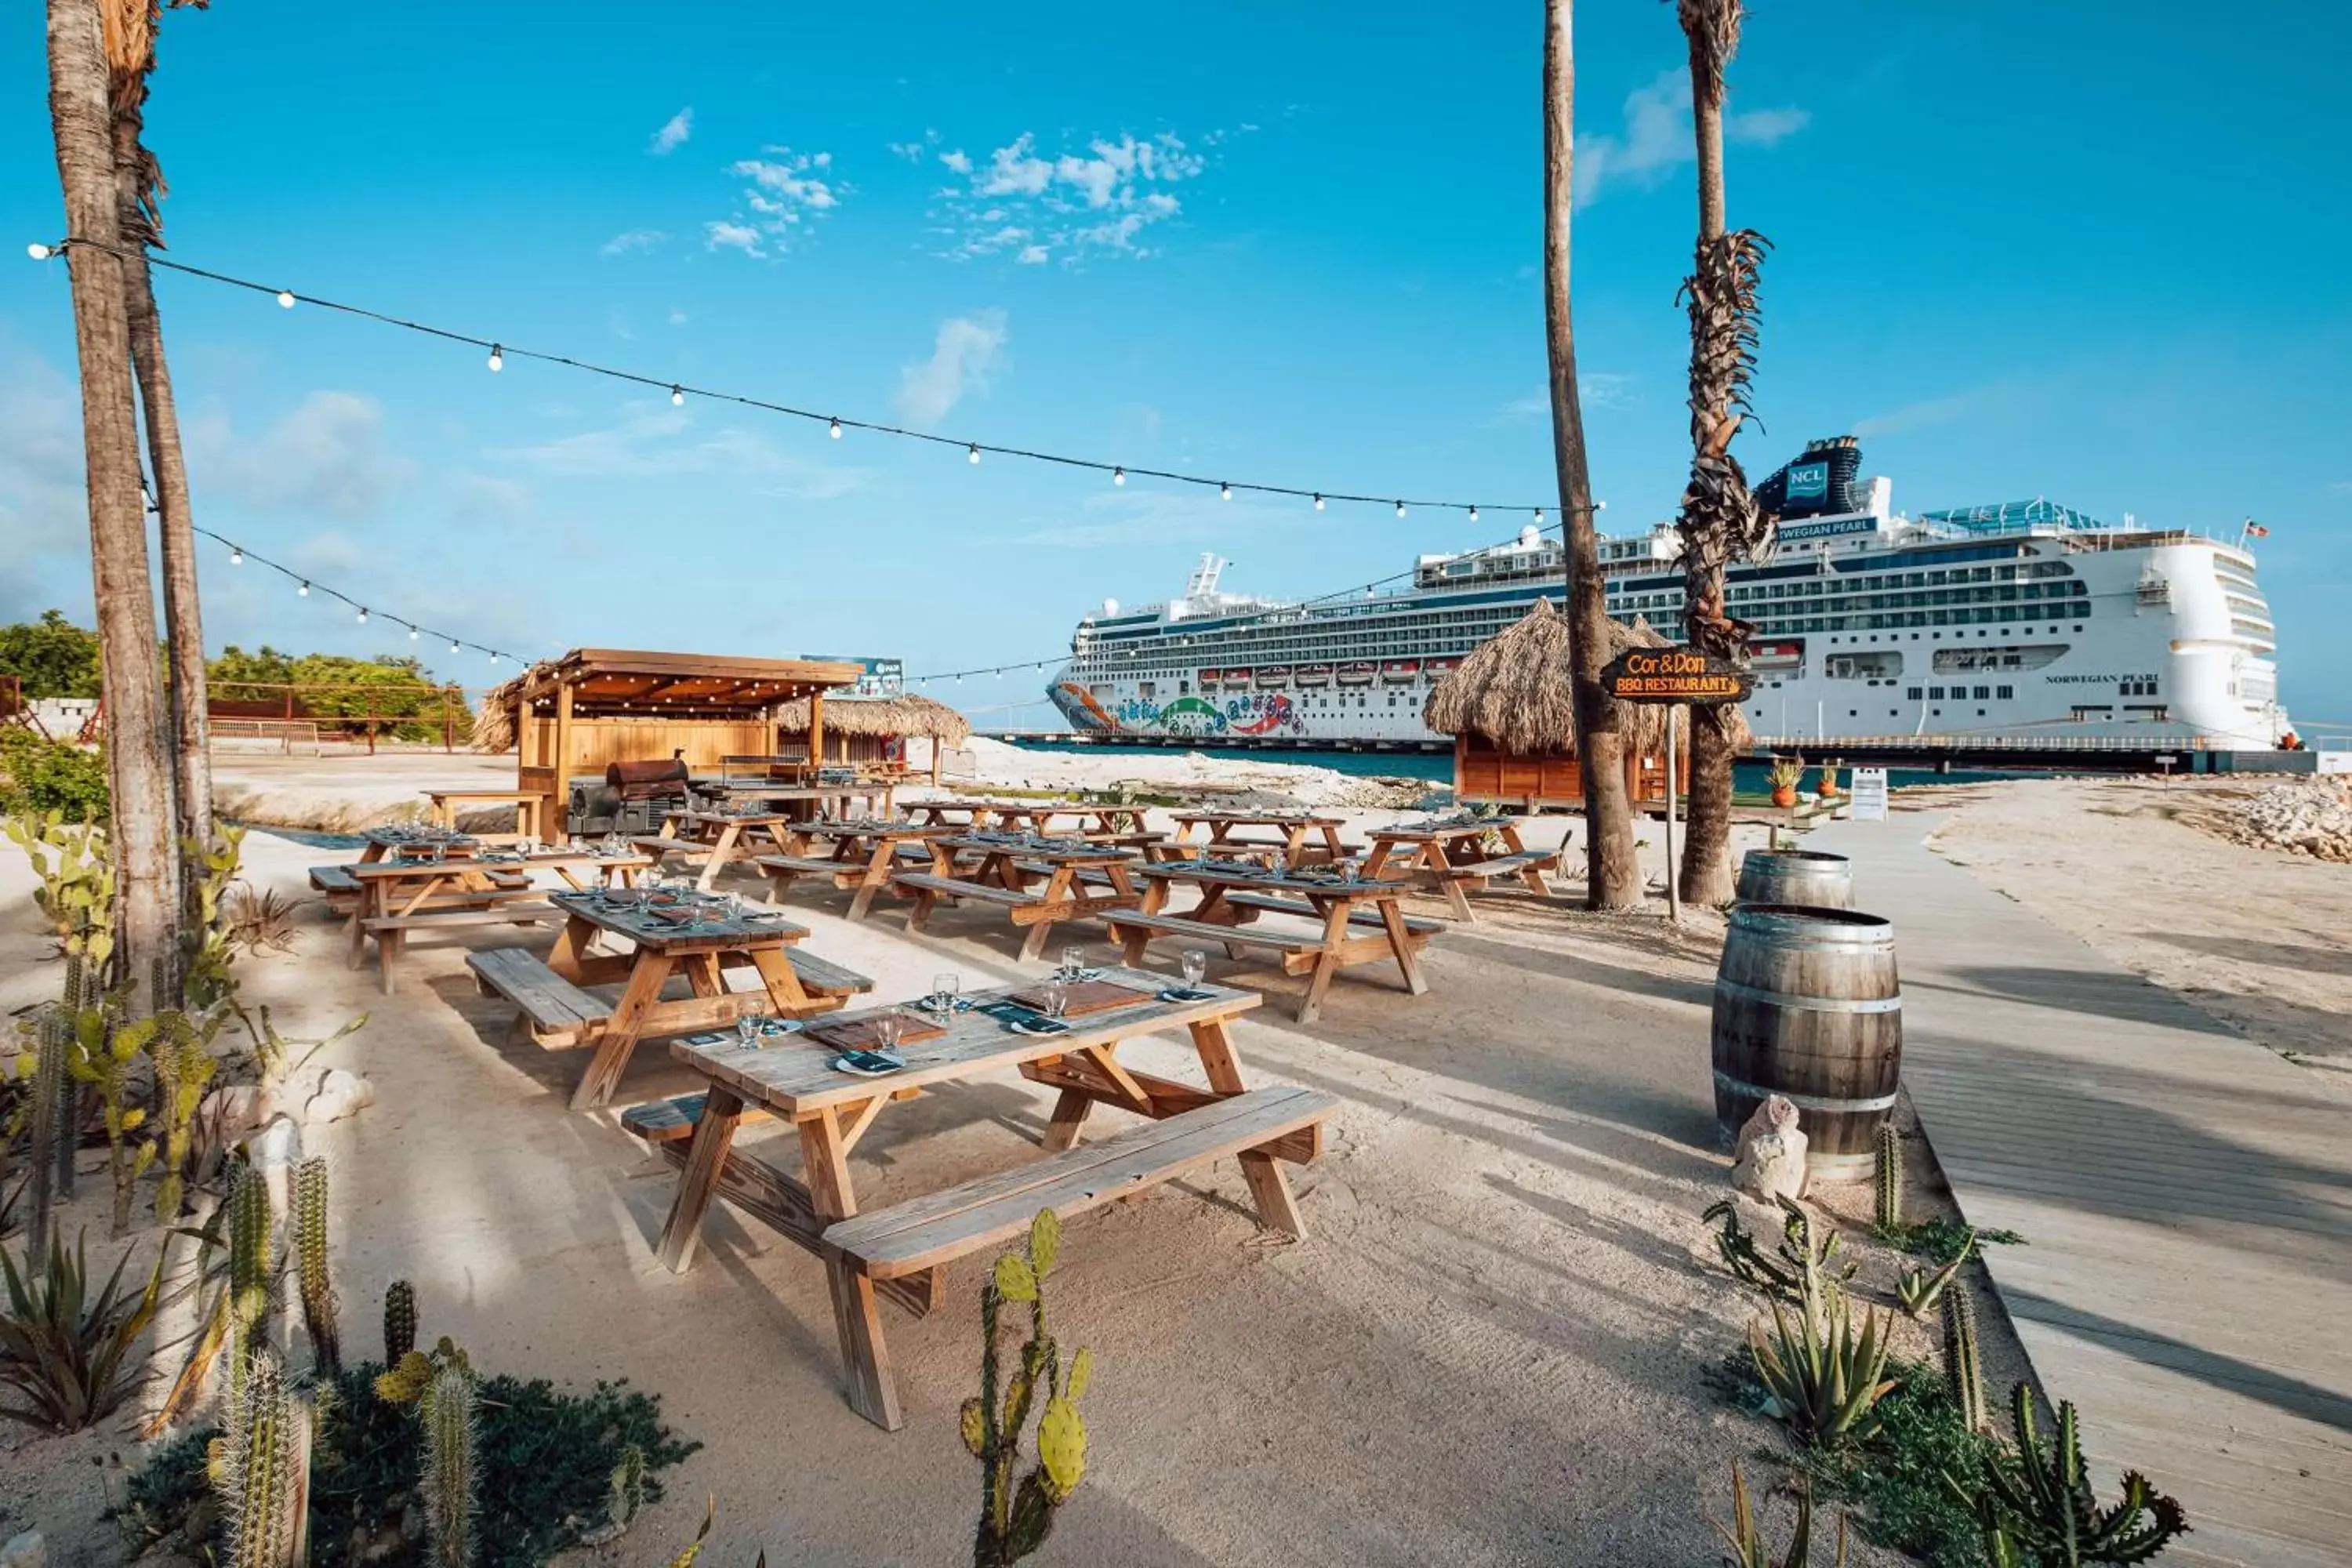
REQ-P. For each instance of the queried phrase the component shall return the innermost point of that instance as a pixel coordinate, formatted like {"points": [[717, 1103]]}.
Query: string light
{"points": [[1538, 516], [1399, 508], [236, 556], [412, 634], [678, 390], [38, 251], [1473, 514], [836, 429], [362, 614], [497, 360], [302, 586], [1119, 476], [1225, 492], [304, 590]]}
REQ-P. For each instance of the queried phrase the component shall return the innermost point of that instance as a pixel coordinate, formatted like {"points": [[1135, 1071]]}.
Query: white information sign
{"points": [[1870, 794], [2334, 761]]}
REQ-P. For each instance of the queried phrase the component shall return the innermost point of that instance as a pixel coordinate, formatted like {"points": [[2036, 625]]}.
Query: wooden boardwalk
{"points": [[2186, 1194]]}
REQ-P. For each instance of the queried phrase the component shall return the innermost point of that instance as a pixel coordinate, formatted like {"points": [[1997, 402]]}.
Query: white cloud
{"points": [[634, 239], [786, 189], [1658, 138], [672, 136], [326, 456], [1072, 205], [967, 354], [1595, 389], [655, 439]]}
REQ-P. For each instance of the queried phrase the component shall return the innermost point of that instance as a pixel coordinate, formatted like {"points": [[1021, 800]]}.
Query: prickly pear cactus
{"points": [[447, 1411], [260, 1490], [313, 1270], [399, 1322], [1887, 1170], [1017, 1519]]}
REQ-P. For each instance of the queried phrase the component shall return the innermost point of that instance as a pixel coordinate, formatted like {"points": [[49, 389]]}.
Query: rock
{"points": [[341, 1093], [279, 1145], [26, 1550], [1769, 1161]]}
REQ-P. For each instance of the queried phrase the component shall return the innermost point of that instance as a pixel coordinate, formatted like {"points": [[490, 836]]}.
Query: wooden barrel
{"points": [[1811, 878], [1807, 1005]]}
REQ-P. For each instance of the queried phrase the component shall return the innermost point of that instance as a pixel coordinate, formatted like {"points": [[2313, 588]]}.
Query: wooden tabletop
{"points": [[1452, 827], [633, 919], [370, 869], [748, 818], [795, 1077], [1235, 874], [1263, 818], [399, 836], [1034, 846], [780, 789], [823, 828]]}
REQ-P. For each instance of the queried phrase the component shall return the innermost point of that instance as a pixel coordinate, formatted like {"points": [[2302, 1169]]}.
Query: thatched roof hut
{"points": [[907, 716], [1513, 691]]}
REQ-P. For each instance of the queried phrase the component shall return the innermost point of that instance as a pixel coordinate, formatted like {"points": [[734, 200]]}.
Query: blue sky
{"points": [[2022, 249]]}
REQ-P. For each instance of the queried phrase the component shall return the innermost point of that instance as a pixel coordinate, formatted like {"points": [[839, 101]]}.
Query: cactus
{"points": [[101, 1050], [1822, 1377], [447, 1411], [399, 1322], [1015, 1520], [1747, 1542], [262, 1477], [252, 1271], [2037, 1505], [52, 1131], [1921, 1290], [185, 1065], [1963, 1372], [1887, 1172], [312, 1271]]}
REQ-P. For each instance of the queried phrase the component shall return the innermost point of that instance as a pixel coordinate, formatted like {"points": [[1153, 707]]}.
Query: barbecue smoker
{"points": [[631, 799]]}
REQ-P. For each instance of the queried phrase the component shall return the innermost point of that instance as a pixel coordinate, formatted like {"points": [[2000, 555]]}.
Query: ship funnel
{"points": [[1110, 607]]}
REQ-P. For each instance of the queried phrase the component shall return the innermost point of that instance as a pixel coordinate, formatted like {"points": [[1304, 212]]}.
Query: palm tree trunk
{"points": [[1613, 874], [183, 619], [131, 676]]}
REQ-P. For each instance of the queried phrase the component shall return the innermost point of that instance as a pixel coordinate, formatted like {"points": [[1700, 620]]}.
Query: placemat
{"points": [[860, 1034], [1086, 996]]}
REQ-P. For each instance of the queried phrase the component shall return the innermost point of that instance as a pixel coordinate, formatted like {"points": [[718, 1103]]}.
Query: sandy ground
{"points": [[2260, 939], [1491, 1348]]}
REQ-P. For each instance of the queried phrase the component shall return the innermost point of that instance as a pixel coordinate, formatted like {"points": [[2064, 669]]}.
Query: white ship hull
{"points": [[1962, 629]]}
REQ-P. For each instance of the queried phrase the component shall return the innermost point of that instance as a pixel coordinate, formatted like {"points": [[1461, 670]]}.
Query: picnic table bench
{"points": [[559, 1014], [715, 839], [899, 1252], [1006, 873], [392, 898], [1451, 857], [865, 853], [1342, 906], [1299, 836]]}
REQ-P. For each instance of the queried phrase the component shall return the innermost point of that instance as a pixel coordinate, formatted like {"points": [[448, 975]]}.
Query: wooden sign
{"points": [[1673, 675]]}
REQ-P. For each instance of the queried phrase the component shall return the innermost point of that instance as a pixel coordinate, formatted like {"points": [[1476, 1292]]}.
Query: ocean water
{"points": [[1749, 775]]}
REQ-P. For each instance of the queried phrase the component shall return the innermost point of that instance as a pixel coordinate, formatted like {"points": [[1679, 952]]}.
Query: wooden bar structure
{"points": [[1485, 773], [571, 716], [870, 734]]}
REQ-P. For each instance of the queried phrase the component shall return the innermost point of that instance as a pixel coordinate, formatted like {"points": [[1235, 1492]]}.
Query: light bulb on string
{"points": [[38, 251], [304, 590], [1225, 492], [1538, 516], [837, 430], [236, 556], [498, 360], [286, 299], [971, 453], [1399, 508], [362, 614], [453, 646], [678, 397], [1318, 500], [1473, 513], [412, 634], [1119, 476]]}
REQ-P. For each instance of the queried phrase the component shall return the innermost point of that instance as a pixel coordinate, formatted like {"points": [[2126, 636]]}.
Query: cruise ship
{"points": [[2020, 622]]}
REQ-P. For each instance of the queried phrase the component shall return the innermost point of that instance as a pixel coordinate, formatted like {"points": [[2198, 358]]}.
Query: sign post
{"points": [[1673, 675], [1869, 802]]}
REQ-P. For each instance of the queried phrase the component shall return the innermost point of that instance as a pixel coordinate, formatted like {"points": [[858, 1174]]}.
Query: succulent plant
{"points": [[252, 1267], [312, 1271], [1015, 1518], [1821, 1376], [1921, 1289], [399, 1322], [1799, 1251], [1886, 1170], [1747, 1542], [261, 1476], [446, 1409], [1963, 1372], [2038, 1507]]}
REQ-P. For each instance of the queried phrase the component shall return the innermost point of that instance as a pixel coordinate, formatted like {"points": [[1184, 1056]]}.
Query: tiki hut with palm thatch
{"points": [[1512, 713], [873, 731]]}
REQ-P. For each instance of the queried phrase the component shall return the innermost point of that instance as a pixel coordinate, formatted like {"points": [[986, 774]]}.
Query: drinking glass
{"points": [[1056, 997], [1196, 964], [888, 1027], [944, 989], [747, 1031], [1073, 963]]}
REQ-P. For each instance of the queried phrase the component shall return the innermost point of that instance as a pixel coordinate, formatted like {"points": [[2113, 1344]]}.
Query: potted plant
{"points": [[1829, 787], [1785, 775]]}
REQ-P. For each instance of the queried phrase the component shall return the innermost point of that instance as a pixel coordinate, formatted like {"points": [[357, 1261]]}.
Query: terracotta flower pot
{"points": [[1784, 795]]}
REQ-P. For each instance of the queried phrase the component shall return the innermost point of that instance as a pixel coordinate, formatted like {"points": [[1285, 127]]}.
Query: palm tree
{"points": [[129, 36], [1719, 520], [131, 676], [1614, 875]]}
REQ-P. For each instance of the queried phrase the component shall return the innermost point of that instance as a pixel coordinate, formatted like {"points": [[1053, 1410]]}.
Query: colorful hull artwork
{"points": [[1255, 713]]}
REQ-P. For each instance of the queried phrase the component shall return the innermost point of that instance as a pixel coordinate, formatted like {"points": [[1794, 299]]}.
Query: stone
{"points": [[341, 1093], [26, 1550], [1769, 1160]]}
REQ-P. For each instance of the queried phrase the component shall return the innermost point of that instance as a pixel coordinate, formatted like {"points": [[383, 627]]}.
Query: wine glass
{"points": [[1194, 964], [746, 1030], [1074, 964], [887, 1029], [944, 989], [1055, 995]]}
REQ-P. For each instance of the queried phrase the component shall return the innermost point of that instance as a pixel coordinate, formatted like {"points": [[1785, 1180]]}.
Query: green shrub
{"points": [[545, 1465], [1896, 1478], [38, 775]]}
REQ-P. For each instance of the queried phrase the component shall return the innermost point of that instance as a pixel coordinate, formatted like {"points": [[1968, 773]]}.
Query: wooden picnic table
{"points": [[874, 797], [1007, 871], [865, 852], [900, 1251], [401, 894], [969, 812], [1362, 918], [405, 838], [1450, 855], [444, 810], [715, 839], [703, 949], [1302, 834]]}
